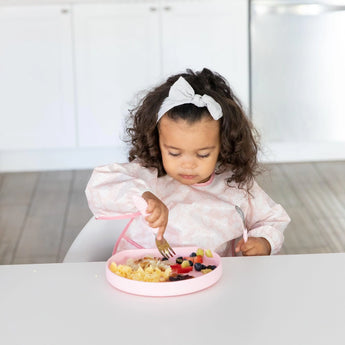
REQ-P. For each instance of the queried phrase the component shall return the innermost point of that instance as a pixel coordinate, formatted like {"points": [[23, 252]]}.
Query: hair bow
{"points": [[181, 92]]}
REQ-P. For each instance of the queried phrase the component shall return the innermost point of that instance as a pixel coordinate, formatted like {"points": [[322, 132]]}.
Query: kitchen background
{"points": [[70, 70]]}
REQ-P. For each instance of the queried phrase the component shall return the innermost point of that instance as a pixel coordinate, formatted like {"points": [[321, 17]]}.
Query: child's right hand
{"points": [[158, 213]]}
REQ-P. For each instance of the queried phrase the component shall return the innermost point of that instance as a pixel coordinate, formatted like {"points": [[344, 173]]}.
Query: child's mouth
{"points": [[188, 177]]}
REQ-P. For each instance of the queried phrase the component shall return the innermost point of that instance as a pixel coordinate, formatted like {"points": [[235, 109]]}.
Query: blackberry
{"points": [[179, 260]]}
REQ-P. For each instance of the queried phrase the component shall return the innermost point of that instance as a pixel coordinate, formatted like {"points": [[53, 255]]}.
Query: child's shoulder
{"points": [[246, 188], [133, 167]]}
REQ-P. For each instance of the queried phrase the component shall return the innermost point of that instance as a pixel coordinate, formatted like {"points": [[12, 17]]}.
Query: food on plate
{"points": [[178, 277], [152, 269], [147, 269], [200, 252], [186, 263], [178, 269], [179, 260]]}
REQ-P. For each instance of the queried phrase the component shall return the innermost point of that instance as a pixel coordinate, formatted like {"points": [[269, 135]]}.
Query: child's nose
{"points": [[189, 163]]}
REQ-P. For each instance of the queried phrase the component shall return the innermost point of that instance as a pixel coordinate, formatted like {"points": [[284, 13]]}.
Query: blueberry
{"points": [[192, 254], [179, 260], [164, 258], [203, 266], [198, 266], [190, 263]]}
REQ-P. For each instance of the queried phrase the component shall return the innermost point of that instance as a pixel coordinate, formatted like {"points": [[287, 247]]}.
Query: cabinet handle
{"points": [[300, 9], [153, 9], [64, 11], [167, 8]]}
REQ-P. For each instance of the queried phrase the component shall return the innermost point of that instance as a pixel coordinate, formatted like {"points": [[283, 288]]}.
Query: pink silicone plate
{"points": [[182, 287]]}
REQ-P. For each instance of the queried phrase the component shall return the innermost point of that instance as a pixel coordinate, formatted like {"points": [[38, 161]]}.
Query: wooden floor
{"points": [[42, 212]]}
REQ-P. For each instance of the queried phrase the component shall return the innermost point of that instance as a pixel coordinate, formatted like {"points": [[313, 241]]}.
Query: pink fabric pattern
{"points": [[200, 215]]}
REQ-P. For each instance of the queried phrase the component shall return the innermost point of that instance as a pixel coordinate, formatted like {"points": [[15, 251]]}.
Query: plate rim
{"points": [[162, 289]]}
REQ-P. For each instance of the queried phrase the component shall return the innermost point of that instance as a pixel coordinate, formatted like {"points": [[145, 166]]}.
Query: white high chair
{"points": [[96, 240]]}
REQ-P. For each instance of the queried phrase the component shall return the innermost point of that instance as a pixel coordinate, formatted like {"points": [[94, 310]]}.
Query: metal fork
{"points": [[164, 248], [162, 244], [245, 231]]}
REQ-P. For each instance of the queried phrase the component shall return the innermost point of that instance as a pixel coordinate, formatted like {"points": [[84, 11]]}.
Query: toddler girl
{"points": [[193, 159]]}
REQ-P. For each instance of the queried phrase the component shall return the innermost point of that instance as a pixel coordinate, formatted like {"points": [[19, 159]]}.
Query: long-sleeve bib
{"points": [[201, 215]]}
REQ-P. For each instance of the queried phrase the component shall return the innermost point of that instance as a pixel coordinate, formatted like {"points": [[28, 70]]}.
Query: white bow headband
{"points": [[181, 92]]}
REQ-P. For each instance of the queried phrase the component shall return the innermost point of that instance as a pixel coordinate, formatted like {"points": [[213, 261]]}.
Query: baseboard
{"points": [[88, 158]]}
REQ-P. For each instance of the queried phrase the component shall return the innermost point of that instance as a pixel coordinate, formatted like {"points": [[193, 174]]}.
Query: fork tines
{"points": [[164, 248]]}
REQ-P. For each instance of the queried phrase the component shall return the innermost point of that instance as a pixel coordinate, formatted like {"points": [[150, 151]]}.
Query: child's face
{"points": [[189, 151]]}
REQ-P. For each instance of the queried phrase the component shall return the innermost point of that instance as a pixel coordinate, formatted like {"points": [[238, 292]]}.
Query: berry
{"points": [[198, 266], [192, 254], [179, 260]]}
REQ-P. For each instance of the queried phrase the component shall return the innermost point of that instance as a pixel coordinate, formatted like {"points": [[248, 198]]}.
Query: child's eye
{"points": [[204, 156], [174, 154]]}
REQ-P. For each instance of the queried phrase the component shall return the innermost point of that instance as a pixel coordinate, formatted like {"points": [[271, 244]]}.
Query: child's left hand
{"points": [[254, 246]]}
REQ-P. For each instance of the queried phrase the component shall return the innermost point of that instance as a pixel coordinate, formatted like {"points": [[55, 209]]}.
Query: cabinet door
{"points": [[36, 83], [117, 55], [212, 34]]}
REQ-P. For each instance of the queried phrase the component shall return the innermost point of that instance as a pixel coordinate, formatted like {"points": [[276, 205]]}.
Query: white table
{"points": [[295, 299]]}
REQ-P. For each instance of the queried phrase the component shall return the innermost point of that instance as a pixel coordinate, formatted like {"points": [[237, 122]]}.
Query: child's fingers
{"points": [[159, 222], [245, 247], [157, 216], [255, 246], [248, 248], [151, 218], [238, 246], [154, 217], [249, 252], [150, 206], [241, 245], [160, 233], [156, 224]]}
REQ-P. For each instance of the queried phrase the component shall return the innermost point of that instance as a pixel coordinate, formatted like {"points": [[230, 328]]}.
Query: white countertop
{"points": [[295, 299]]}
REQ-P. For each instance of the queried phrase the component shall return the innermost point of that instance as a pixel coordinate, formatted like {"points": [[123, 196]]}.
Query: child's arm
{"points": [[111, 189], [266, 222]]}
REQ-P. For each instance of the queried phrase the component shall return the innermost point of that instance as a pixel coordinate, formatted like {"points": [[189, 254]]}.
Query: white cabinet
{"points": [[117, 55], [70, 73], [36, 77], [211, 34], [124, 48]]}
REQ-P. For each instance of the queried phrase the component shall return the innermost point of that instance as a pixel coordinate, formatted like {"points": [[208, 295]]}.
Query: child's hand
{"points": [[254, 246], [158, 213]]}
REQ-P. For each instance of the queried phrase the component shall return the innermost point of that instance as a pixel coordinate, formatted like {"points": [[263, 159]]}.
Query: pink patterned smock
{"points": [[201, 215]]}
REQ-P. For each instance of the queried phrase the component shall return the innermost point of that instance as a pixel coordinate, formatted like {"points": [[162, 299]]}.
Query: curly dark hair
{"points": [[238, 137]]}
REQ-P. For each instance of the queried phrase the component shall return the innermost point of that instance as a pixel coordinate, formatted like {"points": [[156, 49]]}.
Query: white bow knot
{"points": [[181, 92]]}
